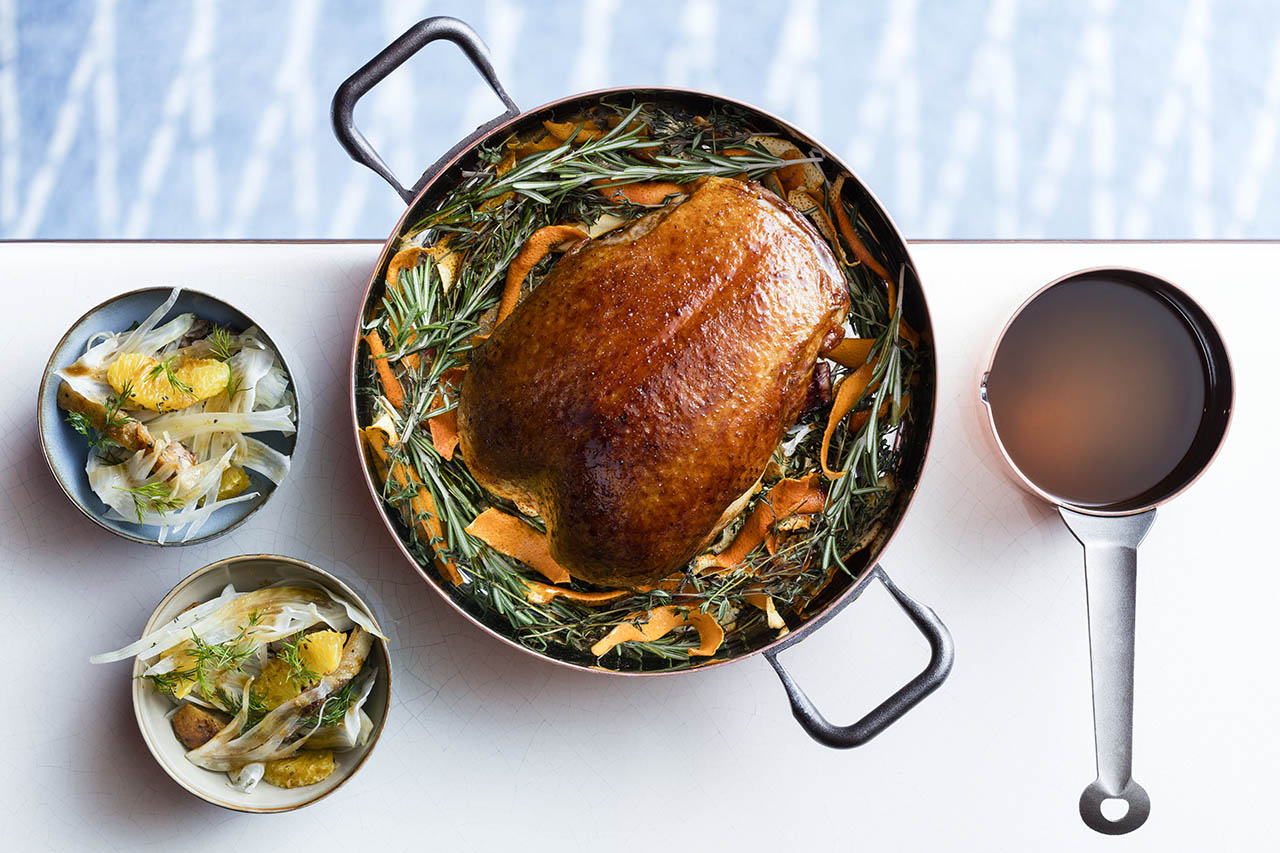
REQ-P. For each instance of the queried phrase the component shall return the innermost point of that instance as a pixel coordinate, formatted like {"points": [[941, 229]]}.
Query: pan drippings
{"points": [[1097, 391]]}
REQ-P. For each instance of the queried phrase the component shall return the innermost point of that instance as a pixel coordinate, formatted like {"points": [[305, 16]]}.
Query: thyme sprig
{"points": [[486, 218]]}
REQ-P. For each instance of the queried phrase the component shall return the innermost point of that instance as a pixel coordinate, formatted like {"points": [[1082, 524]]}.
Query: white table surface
{"points": [[487, 748]]}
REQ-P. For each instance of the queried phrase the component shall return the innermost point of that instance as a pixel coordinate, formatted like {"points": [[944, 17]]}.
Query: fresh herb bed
{"points": [[486, 219]]}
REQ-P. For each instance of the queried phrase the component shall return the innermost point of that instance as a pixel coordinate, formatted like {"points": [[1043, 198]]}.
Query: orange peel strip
{"points": [[425, 517], [563, 130], [509, 535], [444, 426], [649, 194], [661, 621], [535, 249], [710, 633], [390, 384], [541, 593], [786, 497], [847, 395], [400, 261], [851, 352], [520, 150], [765, 602], [791, 177], [864, 256], [860, 418]]}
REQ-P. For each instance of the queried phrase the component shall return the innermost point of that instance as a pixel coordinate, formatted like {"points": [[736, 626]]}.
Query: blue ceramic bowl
{"points": [[67, 451]]}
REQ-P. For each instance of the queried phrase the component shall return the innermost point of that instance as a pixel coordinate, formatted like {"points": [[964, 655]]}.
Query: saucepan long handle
{"points": [[1111, 581], [392, 57], [941, 658]]}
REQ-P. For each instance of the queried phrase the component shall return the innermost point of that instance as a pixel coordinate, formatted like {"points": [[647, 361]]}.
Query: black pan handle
{"points": [[941, 658], [392, 57]]}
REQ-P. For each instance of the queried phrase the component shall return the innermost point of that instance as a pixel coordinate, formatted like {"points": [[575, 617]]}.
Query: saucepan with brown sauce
{"points": [[1109, 393]]}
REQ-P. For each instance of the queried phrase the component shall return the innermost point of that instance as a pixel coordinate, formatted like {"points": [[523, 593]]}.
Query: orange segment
{"points": [[166, 386]]}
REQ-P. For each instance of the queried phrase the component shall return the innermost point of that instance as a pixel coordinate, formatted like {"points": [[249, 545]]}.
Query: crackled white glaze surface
{"points": [[487, 748]]}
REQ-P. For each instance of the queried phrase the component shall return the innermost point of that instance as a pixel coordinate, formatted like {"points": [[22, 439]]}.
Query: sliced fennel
{"points": [[217, 651]]}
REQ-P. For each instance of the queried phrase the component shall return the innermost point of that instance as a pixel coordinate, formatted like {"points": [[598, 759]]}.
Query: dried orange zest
{"points": [[424, 516], [851, 236], [710, 634], [661, 621], [444, 426], [787, 497], [810, 204], [860, 418], [520, 150], [508, 535], [792, 177], [541, 593], [851, 352], [864, 256], [400, 261], [652, 193], [390, 384], [563, 130], [847, 396], [539, 244], [765, 603]]}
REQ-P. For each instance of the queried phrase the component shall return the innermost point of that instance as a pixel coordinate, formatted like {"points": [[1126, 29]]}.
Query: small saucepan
{"points": [[1109, 392]]}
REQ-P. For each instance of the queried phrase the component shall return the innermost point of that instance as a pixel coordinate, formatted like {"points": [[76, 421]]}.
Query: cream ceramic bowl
{"points": [[250, 572]]}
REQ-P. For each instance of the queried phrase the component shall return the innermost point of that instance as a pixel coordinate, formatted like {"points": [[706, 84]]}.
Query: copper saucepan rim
{"points": [[908, 494]]}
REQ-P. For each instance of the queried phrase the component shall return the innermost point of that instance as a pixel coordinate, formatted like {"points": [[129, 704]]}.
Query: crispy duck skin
{"points": [[641, 388]]}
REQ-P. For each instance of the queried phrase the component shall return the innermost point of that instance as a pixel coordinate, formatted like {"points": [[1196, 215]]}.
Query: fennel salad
{"points": [[267, 685], [170, 412]]}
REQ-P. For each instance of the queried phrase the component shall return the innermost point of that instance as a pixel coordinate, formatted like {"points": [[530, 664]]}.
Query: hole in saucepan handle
{"points": [[942, 656], [1114, 812], [1114, 808], [392, 57]]}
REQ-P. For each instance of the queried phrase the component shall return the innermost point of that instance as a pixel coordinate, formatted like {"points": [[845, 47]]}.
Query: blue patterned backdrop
{"points": [[970, 118]]}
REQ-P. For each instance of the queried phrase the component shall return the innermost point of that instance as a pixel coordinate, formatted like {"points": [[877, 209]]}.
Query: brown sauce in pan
{"points": [[1097, 391]]}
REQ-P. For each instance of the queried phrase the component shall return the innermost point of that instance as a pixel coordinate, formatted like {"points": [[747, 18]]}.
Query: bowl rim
{"points": [[41, 425], [302, 565]]}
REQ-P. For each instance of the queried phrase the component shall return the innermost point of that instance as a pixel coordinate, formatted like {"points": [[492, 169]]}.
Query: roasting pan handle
{"points": [[941, 657], [392, 57]]}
